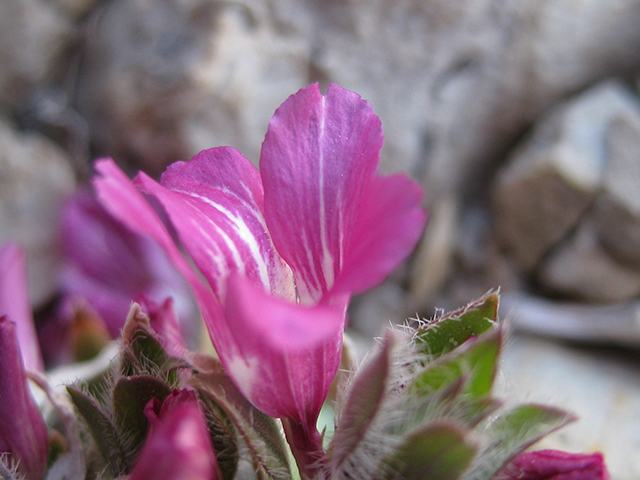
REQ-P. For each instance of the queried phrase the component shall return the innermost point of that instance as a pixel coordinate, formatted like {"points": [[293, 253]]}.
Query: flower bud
{"points": [[553, 464], [178, 445], [23, 433]]}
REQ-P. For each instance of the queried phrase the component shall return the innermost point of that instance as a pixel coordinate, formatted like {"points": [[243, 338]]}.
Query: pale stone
{"points": [[582, 269], [35, 179], [554, 177]]}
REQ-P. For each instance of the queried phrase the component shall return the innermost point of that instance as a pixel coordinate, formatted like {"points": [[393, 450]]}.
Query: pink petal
{"points": [[288, 354], [178, 445], [118, 195], [390, 224], [108, 265], [318, 158], [215, 203], [555, 465], [14, 303], [23, 433]]}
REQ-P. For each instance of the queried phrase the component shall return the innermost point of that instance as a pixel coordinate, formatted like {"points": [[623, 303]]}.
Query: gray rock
{"points": [[617, 210], [35, 178], [617, 324], [581, 268], [33, 35], [162, 80], [555, 176]]}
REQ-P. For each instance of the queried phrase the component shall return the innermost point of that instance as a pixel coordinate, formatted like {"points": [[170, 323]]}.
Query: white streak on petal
{"points": [[244, 233], [327, 258], [245, 372]]}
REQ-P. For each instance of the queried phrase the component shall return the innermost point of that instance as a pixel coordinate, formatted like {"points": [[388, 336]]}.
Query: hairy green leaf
{"points": [[451, 330], [361, 404], [223, 435], [511, 433], [103, 431], [130, 396], [439, 451], [475, 362]]}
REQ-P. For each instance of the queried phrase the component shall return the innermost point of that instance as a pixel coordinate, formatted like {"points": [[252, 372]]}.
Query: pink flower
{"points": [[178, 445], [283, 249], [108, 265], [23, 433], [555, 465], [14, 303]]}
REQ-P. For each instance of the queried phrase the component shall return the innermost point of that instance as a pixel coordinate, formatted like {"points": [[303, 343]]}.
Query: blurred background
{"points": [[521, 118]]}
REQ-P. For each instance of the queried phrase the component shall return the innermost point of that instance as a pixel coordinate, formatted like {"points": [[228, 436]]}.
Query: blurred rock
{"points": [[582, 269], [371, 312], [617, 324], [617, 210], [35, 178], [454, 82], [75, 8], [162, 80], [33, 35], [553, 179]]}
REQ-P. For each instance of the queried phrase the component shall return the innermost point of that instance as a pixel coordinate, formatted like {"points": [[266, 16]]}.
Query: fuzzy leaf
{"points": [[259, 431], [130, 396], [142, 351], [511, 433], [453, 329], [365, 396], [223, 435], [439, 451], [476, 363], [102, 430]]}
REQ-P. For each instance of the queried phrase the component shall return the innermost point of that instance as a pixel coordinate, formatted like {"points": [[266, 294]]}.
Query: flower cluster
{"points": [[272, 258]]}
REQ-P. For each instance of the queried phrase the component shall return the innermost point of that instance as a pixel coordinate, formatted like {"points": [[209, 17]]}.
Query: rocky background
{"points": [[521, 118]]}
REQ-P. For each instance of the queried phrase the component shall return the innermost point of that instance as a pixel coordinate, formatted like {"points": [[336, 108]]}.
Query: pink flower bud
{"points": [[178, 445], [23, 433], [555, 465]]}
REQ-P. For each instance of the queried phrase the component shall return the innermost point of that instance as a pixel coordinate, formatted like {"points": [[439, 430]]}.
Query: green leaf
{"points": [[130, 396], [363, 401], [476, 362], [142, 351], [451, 330], [259, 432], [102, 430], [439, 451], [511, 433], [223, 435]]}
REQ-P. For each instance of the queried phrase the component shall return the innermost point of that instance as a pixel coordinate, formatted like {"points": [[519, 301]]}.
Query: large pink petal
{"points": [[390, 224], [14, 303], [288, 354], [215, 203], [318, 157]]}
